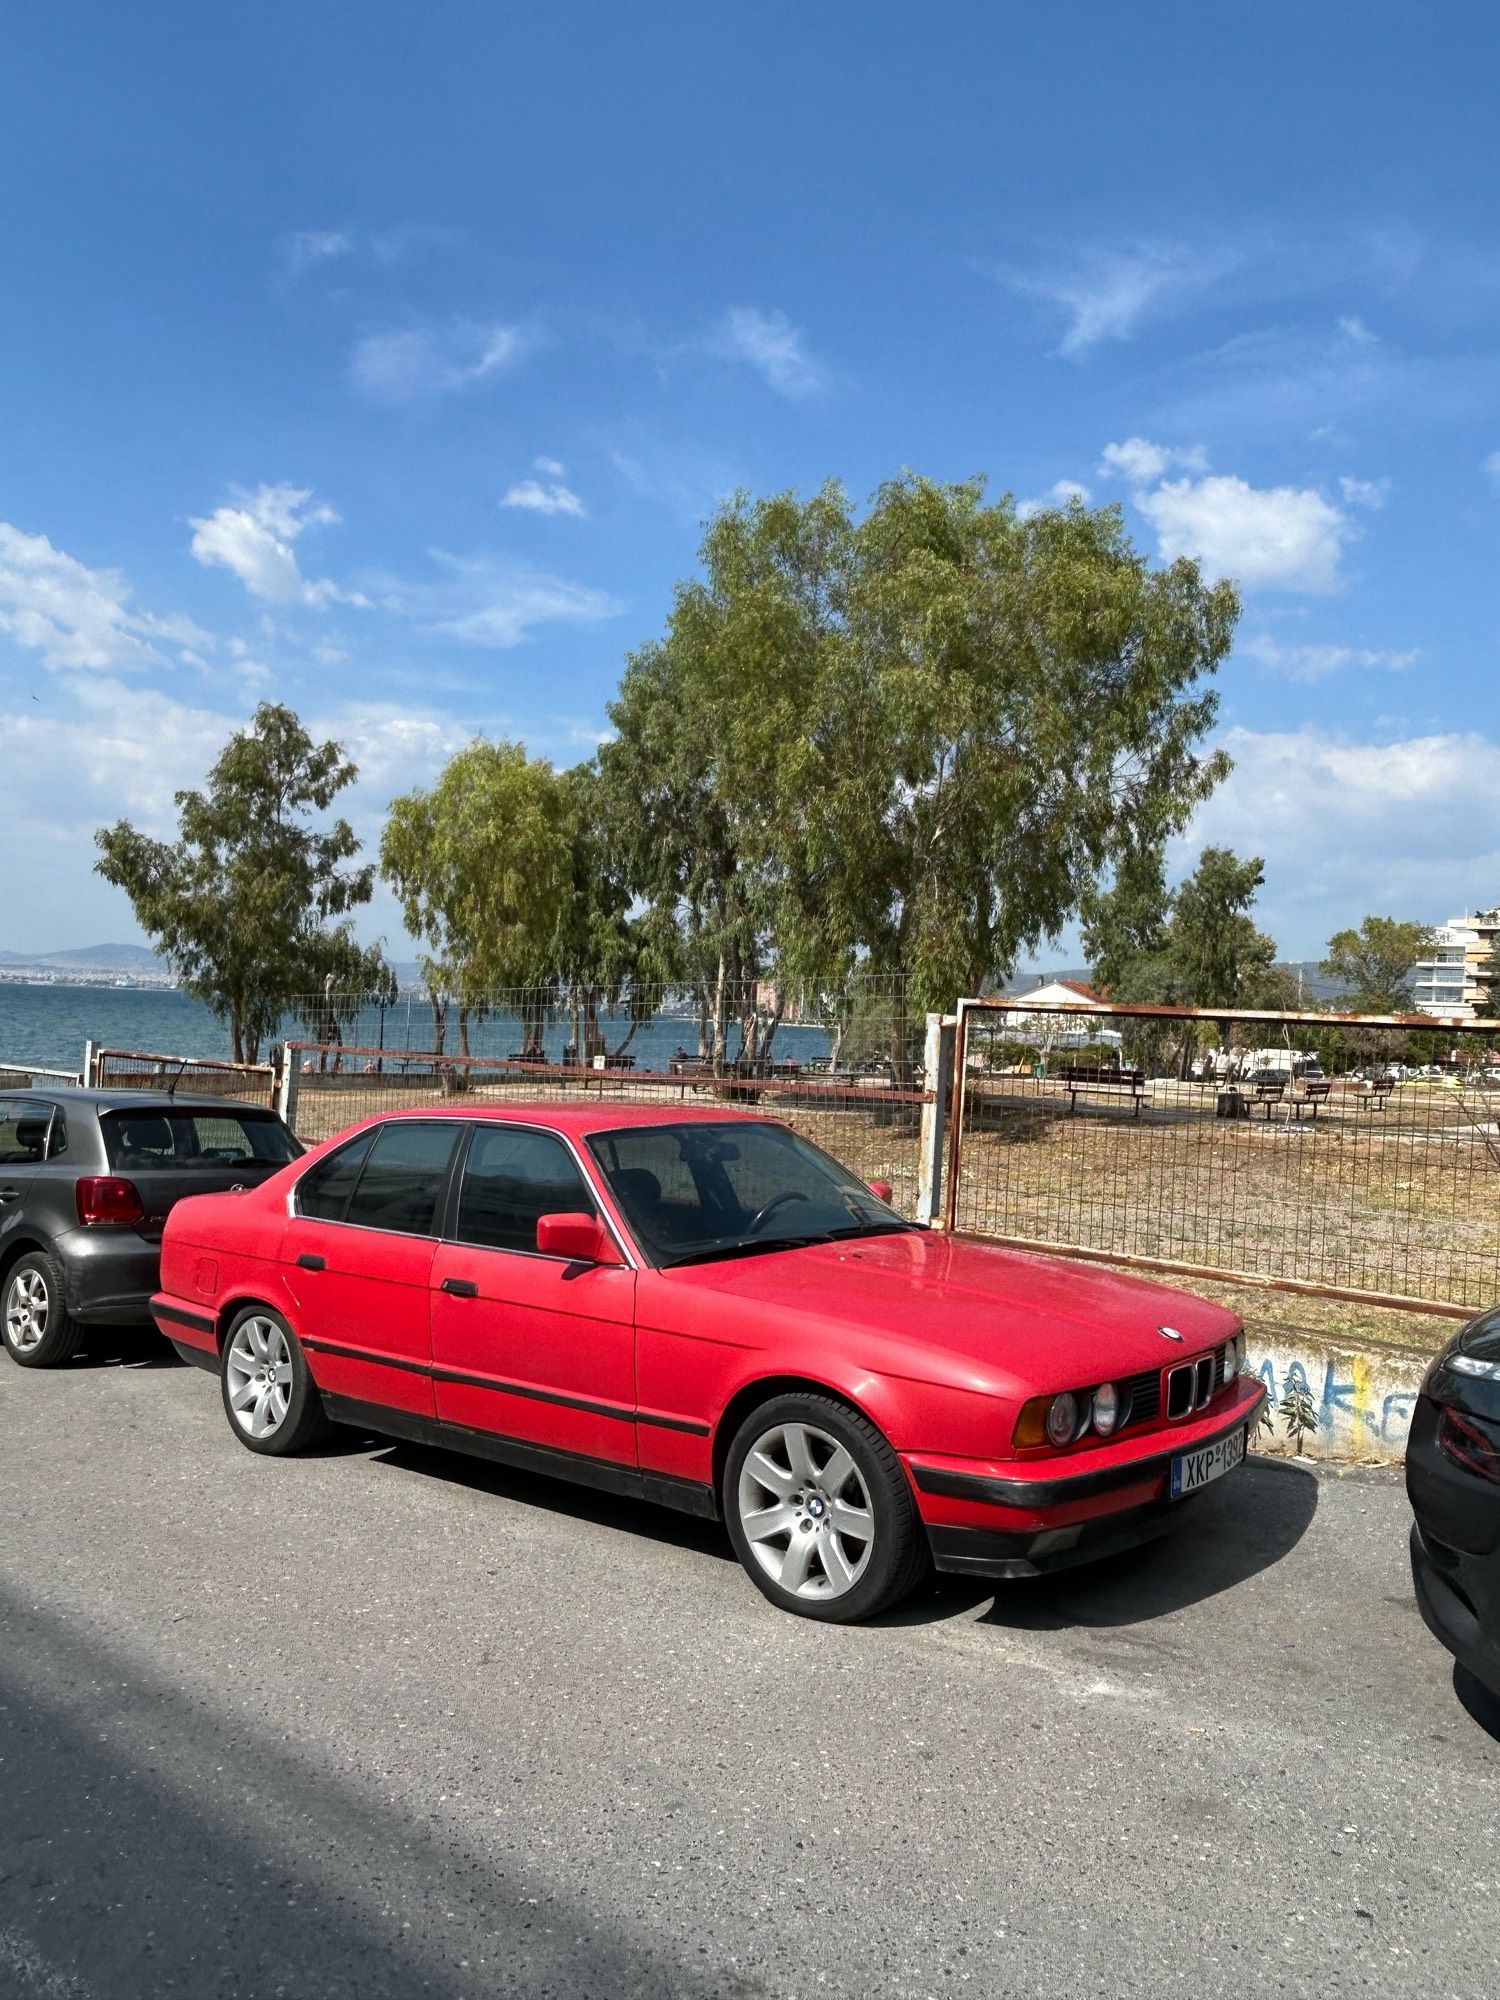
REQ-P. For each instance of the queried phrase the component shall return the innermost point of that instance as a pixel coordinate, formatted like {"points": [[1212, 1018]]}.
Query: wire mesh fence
{"points": [[1352, 1157], [844, 1069]]}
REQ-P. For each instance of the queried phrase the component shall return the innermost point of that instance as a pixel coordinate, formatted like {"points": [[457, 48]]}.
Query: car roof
{"points": [[579, 1120], [68, 1095]]}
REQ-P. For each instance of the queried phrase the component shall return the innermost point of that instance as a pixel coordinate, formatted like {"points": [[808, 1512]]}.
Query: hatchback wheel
{"points": [[820, 1511], [38, 1329], [271, 1401]]}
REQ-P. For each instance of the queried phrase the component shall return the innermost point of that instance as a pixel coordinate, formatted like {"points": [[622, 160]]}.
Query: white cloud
{"points": [[556, 498], [1059, 494], [253, 540], [79, 617], [1140, 461], [1492, 466], [770, 344], [410, 363], [1355, 329], [1410, 827], [1315, 662], [484, 601], [1108, 293], [1368, 493], [317, 246], [1277, 537], [553, 467]]}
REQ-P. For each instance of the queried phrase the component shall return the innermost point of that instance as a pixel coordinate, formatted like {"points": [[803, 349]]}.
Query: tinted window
{"points": [[323, 1193], [512, 1179], [692, 1191], [188, 1141], [403, 1178], [23, 1132]]}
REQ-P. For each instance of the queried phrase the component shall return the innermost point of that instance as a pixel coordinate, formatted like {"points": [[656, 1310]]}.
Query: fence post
{"points": [[938, 1062], [89, 1050], [291, 1078]]}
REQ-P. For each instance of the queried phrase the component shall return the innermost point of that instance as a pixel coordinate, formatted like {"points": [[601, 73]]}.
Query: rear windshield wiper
{"points": [[752, 1246]]}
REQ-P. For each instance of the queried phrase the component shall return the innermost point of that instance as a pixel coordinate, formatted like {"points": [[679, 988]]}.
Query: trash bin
{"points": [[1231, 1104], [1039, 1069]]}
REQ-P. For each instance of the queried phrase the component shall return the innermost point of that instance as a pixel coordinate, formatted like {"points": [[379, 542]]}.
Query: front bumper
{"points": [[1039, 1515], [108, 1275], [1455, 1550]]}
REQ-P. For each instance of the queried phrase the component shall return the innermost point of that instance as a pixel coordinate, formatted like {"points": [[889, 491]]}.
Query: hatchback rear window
{"points": [[194, 1141]]}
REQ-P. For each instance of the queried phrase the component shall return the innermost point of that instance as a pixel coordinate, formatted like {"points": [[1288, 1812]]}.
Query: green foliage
{"points": [[908, 742], [1298, 1412], [483, 867], [1375, 963], [247, 903]]}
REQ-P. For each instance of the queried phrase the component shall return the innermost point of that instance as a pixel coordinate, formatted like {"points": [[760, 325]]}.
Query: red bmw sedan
{"points": [[701, 1308]]}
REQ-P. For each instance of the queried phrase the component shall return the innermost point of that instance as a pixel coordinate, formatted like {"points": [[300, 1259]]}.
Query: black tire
{"points": [[304, 1421], [33, 1287], [896, 1555]]}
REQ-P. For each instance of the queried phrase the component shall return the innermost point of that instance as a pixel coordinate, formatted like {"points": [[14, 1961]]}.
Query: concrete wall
{"points": [[1363, 1395]]}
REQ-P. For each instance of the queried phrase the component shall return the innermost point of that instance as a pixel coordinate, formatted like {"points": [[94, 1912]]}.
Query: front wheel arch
{"points": [[763, 1390]]}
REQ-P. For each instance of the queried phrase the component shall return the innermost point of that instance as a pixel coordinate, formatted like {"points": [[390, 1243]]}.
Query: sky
{"points": [[386, 361]]}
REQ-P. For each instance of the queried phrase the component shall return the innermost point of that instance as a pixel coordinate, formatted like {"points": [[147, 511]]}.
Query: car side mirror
{"points": [[882, 1190], [582, 1239]]}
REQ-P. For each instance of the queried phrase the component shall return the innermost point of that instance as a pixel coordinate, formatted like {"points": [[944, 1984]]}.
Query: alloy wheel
{"points": [[258, 1368], [806, 1511], [27, 1310]]}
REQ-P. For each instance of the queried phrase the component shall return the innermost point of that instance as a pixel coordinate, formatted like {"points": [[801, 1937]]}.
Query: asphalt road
{"points": [[384, 1722]]}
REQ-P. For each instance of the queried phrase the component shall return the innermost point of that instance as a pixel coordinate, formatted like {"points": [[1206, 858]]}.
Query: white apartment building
{"points": [[1451, 978]]}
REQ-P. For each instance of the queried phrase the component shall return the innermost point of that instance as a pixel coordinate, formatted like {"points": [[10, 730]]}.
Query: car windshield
{"points": [[693, 1192], [136, 1141]]}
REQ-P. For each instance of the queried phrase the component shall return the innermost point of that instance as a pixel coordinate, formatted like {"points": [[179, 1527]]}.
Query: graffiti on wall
{"points": [[1361, 1401]]}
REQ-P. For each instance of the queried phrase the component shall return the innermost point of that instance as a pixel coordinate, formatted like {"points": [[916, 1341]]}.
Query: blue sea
{"points": [[49, 1025]]}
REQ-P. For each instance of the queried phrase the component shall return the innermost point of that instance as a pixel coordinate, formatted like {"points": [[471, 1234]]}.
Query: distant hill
{"points": [[113, 958]]}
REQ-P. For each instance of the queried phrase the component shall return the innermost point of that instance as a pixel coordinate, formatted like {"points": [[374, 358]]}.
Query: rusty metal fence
{"points": [[199, 1076], [1352, 1157]]}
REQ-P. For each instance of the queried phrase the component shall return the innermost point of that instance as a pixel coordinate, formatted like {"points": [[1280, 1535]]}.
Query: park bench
{"points": [[1103, 1080], [1376, 1091], [1269, 1091], [1313, 1094]]}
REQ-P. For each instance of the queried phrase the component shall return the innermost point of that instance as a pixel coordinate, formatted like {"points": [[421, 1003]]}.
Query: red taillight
{"points": [[1469, 1444], [105, 1200]]}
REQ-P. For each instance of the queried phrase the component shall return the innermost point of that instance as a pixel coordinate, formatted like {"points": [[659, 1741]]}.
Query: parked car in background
{"points": [[701, 1308], [1453, 1480], [87, 1181]]}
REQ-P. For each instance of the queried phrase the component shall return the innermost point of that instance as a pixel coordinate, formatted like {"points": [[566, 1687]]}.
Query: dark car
{"points": [[1453, 1479], [87, 1178]]}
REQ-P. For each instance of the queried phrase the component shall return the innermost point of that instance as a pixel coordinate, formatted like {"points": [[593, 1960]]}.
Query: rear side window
{"points": [[323, 1192], [189, 1141], [23, 1132], [403, 1178], [511, 1180]]}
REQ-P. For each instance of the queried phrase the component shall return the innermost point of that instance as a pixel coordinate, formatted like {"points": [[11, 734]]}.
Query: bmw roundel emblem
{"points": [[1170, 1333]]}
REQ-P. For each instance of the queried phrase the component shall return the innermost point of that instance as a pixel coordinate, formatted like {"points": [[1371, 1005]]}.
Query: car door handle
{"points": [[10, 1194], [311, 1263], [461, 1288]]}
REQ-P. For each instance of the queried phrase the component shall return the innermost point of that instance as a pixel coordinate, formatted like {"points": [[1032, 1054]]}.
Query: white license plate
{"points": [[1201, 1468]]}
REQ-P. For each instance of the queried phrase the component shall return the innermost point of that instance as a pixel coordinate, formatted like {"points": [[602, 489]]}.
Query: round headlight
{"points": [[1062, 1418], [1106, 1411], [1240, 1354]]}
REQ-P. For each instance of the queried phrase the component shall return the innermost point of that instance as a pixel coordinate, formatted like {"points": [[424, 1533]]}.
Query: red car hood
{"points": [[973, 1302]]}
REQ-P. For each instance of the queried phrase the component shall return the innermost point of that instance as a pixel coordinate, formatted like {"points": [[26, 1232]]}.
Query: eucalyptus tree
{"points": [[249, 905], [483, 865]]}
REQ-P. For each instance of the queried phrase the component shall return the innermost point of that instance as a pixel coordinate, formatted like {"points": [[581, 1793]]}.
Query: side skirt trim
{"points": [[688, 1496]]}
